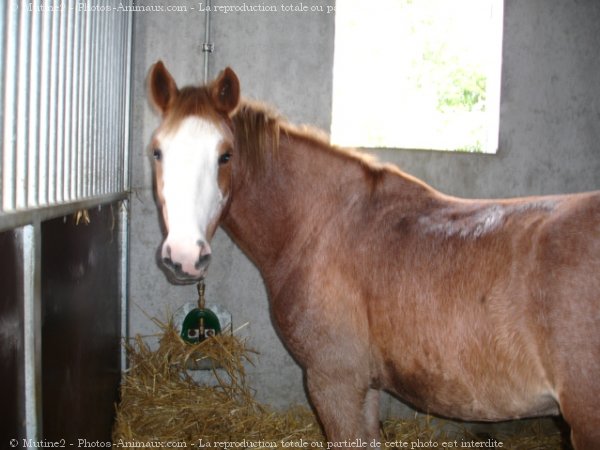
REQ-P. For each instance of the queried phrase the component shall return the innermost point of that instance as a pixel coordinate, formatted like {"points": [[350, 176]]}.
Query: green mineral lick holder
{"points": [[200, 323]]}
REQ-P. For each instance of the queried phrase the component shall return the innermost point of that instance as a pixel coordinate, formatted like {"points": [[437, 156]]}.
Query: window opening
{"points": [[417, 74]]}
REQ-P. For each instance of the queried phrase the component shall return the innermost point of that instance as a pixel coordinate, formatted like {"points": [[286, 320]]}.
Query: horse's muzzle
{"points": [[186, 263]]}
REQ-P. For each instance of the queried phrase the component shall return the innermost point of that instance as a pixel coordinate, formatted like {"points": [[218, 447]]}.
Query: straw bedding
{"points": [[162, 404]]}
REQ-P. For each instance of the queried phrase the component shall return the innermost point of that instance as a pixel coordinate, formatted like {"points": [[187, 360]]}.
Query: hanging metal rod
{"points": [[207, 47]]}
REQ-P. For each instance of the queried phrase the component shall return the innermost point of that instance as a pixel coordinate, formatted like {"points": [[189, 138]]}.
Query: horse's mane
{"points": [[258, 129]]}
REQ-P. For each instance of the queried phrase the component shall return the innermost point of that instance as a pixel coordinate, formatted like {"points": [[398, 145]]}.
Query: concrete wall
{"points": [[549, 112], [549, 137]]}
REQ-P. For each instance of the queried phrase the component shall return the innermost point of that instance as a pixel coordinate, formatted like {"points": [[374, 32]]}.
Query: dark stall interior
{"points": [[11, 339], [80, 325]]}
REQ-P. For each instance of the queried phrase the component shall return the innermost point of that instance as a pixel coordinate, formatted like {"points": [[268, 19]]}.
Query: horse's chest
{"points": [[316, 322]]}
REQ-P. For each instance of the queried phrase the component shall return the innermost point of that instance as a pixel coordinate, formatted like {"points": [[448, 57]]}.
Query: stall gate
{"points": [[64, 182]]}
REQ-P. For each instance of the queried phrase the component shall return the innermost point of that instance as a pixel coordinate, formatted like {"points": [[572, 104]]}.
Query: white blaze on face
{"points": [[191, 193]]}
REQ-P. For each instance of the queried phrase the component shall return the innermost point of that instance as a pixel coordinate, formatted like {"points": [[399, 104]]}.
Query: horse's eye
{"points": [[157, 154], [224, 158]]}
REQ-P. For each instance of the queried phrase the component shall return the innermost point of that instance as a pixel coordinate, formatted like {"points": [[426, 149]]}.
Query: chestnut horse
{"points": [[471, 309]]}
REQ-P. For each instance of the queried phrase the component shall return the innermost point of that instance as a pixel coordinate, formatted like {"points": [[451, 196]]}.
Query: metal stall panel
{"points": [[64, 102], [81, 331], [12, 373], [64, 134]]}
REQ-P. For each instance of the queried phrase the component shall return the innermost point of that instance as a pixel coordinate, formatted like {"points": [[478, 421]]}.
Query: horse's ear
{"points": [[225, 91], [163, 89]]}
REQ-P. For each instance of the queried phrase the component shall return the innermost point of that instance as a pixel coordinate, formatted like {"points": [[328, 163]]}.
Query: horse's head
{"points": [[191, 149]]}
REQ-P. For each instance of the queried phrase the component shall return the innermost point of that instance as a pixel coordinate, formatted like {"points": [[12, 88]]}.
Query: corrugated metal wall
{"points": [[64, 99], [64, 134]]}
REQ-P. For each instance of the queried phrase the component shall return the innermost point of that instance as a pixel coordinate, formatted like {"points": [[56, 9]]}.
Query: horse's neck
{"points": [[304, 188], [271, 210]]}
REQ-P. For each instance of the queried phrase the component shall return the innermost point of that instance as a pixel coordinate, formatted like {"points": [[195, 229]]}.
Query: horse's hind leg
{"points": [[344, 407], [584, 419], [579, 393], [581, 409]]}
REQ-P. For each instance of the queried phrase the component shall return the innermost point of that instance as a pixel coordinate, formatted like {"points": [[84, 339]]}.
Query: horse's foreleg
{"points": [[371, 414], [344, 407]]}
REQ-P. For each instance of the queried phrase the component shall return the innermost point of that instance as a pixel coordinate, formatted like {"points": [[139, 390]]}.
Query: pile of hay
{"points": [[161, 402], [428, 432]]}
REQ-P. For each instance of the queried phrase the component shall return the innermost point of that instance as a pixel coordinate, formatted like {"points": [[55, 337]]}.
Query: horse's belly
{"points": [[494, 400], [482, 409]]}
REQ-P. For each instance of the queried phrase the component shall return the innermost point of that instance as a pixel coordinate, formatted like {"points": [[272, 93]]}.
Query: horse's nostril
{"points": [[173, 265], [202, 261], [204, 247]]}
